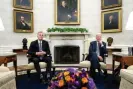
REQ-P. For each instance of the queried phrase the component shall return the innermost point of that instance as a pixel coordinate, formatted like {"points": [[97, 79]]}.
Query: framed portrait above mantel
{"points": [[23, 21], [111, 21], [67, 12], [23, 4], [105, 4]]}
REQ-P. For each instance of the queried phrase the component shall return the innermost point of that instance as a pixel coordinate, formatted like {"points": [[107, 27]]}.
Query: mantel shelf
{"points": [[67, 33]]}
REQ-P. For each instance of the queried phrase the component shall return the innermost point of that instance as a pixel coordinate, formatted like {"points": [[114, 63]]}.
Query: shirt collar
{"points": [[39, 41]]}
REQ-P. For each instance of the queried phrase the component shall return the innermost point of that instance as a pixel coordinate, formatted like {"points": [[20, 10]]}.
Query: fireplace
{"points": [[66, 54]]}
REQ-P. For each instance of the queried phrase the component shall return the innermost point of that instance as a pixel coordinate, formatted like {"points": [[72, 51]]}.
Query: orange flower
{"points": [[72, 80], [68, 78], [84, 80], [66, 73], [61, 83], [84, 88]]}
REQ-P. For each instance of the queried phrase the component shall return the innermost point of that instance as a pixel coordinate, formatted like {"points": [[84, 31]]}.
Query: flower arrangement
{"points": [[72, 79]]}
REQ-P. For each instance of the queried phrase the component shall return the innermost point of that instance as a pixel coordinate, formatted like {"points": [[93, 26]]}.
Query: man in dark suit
{"points": [[40, 52], [97, 50], [22, 24]]}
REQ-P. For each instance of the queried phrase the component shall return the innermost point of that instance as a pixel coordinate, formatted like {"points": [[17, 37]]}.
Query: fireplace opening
{"points": [[66, 54]]}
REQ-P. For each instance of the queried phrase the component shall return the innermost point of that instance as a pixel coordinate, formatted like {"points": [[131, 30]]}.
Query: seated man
{"points": [[97, 50], [40, 52]]}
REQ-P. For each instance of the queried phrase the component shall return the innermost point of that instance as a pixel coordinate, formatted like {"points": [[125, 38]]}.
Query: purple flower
{"points": [[71, 70], [91, 83], [77, 83]]}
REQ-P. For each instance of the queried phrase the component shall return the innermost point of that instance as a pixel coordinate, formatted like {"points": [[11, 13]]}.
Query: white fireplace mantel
{"points": [[67, 35], [67, 38]]}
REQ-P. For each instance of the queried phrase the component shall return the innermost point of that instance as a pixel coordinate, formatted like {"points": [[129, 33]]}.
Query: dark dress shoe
{"points": [[42, 81]]}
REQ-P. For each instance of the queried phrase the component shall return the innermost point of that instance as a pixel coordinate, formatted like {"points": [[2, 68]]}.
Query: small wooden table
{"points": [[9, 57], [123, 58]]}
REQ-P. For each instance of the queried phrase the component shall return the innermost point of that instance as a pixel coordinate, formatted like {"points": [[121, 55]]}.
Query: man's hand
{"points": [[100, 58], [40, 53], [100, 42]]}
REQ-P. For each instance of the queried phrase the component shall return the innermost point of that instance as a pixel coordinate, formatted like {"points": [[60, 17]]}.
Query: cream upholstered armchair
{"points": [[86, 63], [126, 78], [7, 78]]}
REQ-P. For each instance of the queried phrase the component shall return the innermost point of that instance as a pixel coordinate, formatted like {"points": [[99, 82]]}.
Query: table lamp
{"points": [[1, 25], [129, 25], [1, 29]]}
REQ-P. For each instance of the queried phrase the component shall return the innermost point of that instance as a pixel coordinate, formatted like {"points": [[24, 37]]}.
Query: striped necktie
{"points": [[40, 45]]}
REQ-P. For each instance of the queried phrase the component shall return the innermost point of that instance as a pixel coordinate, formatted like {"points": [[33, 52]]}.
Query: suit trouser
{"points": [[94, 64], [47, 60]]}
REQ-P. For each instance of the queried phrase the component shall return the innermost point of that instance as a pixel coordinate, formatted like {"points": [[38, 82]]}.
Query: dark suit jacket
{"points": [[93, 48], [34, 47]]}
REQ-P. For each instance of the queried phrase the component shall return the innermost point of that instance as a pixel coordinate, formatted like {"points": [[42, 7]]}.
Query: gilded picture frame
{"points": [[23, 4], [23, 21], [106, 4], [111, 21], [67, 12]]}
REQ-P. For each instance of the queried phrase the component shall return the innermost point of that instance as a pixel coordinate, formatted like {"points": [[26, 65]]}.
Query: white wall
{"points": [[44, 18]]}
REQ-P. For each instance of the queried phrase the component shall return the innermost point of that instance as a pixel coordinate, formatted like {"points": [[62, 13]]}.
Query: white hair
{"points": [[98, 34]]}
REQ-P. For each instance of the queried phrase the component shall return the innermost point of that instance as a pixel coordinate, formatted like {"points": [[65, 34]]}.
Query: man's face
{"points": [[63, 3], [98, 37], [22, 18], [40, 36], [110, 17]]}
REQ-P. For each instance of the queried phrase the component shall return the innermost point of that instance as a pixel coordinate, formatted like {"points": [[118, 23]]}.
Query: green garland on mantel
{"points": [[67, 30]]}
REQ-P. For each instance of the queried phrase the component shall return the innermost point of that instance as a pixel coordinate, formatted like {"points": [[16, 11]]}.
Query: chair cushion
{"points": [[85, 64], [130, 67], [6, 77], [31, 65], [127, 74], [103, 65]]}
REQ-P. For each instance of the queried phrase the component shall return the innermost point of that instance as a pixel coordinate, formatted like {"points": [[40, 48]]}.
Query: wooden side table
{"points": [[20, 51], [123, 58], [9, 57]]}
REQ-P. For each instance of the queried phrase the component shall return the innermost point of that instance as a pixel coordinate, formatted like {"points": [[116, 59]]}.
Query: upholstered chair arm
{"points": [[4, 69]]}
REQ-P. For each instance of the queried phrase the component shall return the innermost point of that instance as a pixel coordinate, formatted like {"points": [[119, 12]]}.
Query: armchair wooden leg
{"points": [[105, 72], [87, 69], [53, 70], [28, 73]]}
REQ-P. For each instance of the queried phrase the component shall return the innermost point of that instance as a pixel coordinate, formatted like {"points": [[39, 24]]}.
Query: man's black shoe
{"points": [[49, 81], [42, 81]]}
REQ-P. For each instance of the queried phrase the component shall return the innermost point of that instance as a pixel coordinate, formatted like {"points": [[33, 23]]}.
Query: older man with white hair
{"points": [[97, 50]]}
